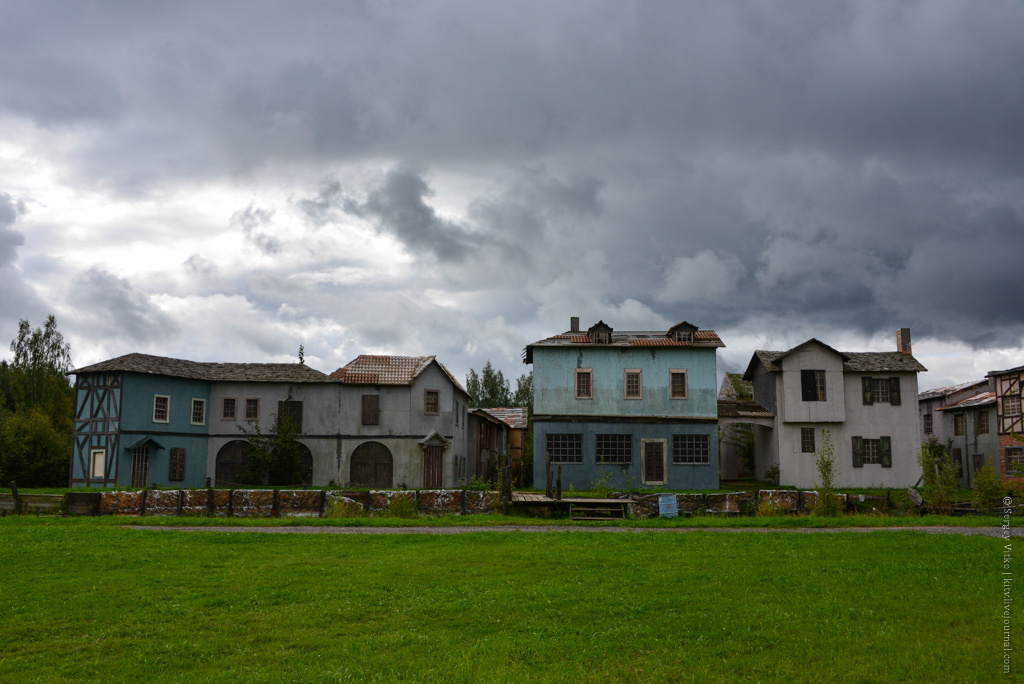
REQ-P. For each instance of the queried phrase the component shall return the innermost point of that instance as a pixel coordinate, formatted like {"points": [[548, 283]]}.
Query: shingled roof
{"points": [[200, 370], [514, 417], [853, 362], [374, 369]]}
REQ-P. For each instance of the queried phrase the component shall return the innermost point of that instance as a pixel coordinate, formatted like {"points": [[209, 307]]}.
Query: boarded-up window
{"points": [[431, 402], [99, 463], [176, 470], [371, 409], [290, 411]]}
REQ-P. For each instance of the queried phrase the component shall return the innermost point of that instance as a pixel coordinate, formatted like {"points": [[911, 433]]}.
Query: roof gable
{"points": [[374, 369]]}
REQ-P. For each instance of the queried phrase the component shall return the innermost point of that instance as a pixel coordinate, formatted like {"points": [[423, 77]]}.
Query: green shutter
{"points": [[858, 453], [866, 384], [894, 391], [885, 451]]}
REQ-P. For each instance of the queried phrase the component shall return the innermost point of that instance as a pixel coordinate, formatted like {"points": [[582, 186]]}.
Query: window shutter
{"points": [[371, 409], [808, 388], [866, 385], [894, 391], [885, 451], [858, 452]]}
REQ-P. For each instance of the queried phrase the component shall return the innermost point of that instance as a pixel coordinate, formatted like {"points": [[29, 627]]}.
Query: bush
{"points": [[827, 503], [33, 452], [773, 475], [402, 507], [768, 508], [988, 488], [600, 486], [939, 474]]}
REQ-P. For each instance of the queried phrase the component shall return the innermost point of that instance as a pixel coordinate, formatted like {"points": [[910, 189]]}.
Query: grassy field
{"points": [[81, 601]]}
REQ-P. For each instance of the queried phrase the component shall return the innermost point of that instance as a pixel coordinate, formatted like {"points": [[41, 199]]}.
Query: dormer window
{"points": [[601, 333], [682, 333], [683, 336]]}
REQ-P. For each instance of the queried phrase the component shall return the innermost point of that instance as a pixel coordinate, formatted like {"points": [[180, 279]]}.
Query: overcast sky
{"points": [[224, 181]]}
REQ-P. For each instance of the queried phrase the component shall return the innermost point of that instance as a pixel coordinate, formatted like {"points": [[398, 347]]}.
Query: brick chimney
{"points": [[574, 324], [903, 341]]}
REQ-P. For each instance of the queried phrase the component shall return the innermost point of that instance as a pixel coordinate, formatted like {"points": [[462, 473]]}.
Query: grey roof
{"points": [[199, 370], [742, 408], [1007, 370], [515, 417], [854, 362], [952, 389], [983, 399], [626, 338]]}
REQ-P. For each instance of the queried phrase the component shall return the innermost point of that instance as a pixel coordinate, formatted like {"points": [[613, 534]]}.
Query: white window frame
{"points": [[98, 457], [625, 383], [192, 413], [576, 383], [686, 383], [168, 398]]}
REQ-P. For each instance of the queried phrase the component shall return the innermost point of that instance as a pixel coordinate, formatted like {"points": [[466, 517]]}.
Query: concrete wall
{"points": [[583, 475], [554, 381]]}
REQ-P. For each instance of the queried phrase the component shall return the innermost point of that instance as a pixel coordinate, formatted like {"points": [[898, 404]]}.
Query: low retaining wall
{"points": [[734, 503], [265, 503]]}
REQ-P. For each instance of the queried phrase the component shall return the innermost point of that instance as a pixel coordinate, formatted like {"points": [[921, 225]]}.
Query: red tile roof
{"points": [[370, 369]]}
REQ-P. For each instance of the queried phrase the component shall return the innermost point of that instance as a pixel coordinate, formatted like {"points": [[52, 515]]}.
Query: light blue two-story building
{"points": [[634, 408]]}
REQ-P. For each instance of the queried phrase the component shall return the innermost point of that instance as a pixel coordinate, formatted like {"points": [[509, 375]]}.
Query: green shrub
{"points": [[768, 508], [402, 507], [475, 484], [600, 486], [939, 474], [988, 488], [827, 503], [773, 475]]}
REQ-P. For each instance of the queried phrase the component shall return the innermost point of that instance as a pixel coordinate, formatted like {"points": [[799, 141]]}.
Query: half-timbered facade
{"points": [[632, 408], [1008, 386]]}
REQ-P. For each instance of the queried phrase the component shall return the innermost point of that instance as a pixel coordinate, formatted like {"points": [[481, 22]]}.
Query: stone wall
{"points": [[728, 503]]}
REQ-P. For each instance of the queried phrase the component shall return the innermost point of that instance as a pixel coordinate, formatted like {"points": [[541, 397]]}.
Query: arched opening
{"points": [[295, 472], [371, 466], [232, 462]]}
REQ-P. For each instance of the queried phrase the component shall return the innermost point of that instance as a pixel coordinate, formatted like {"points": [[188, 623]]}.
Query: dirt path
{"points": [[965, 531]]}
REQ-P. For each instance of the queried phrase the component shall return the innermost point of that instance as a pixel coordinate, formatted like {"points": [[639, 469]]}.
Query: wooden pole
{"points": [[17, 500], [558, 484]]}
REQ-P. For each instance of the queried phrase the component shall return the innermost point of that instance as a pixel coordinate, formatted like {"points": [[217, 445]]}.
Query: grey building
{"points": [[856, 396], [971, 433], [930, 402]]}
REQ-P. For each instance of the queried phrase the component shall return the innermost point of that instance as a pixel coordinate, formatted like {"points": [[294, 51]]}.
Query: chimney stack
{"points": [[903, 341], [574, 324]]}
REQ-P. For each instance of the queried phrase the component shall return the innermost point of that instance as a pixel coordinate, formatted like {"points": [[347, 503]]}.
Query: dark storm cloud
{"points": [[107, 302]]}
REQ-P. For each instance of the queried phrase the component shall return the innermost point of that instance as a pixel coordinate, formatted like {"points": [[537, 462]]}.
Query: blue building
{"points": [[143, 419], [638, 408]]}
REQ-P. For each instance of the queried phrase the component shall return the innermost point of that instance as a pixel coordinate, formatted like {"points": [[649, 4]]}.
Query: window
{"points": [[252, 409], [229, 408], [564, 448], [807, 440], [634, 383], [872, 451], [812, 385], [98, 463], [691, 449], [1011, 405], [431, 402], [616, 449], [584, 383], [161, 408], [371, 409], [683, 336], [983, 423], [1014, 460], [958, 459], [198, 411], [176, 470], [290, 410], [959, 424], [602, 337], [881, 390], [677, 382], [927, 423], [140, 466]]}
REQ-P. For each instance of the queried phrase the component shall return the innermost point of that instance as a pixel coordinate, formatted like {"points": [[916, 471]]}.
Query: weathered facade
{"points": [[856, 396], [636, 408], [930, 403], [488, 444], [381, 421], [1008, 385], [969, 426]]}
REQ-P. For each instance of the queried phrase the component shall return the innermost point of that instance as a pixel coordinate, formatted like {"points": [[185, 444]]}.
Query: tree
{"points": [[274, 458], [33, 452], [524, 390], [39, 372], [489, 389], [473, 387], [824, 459], [939, 473]]}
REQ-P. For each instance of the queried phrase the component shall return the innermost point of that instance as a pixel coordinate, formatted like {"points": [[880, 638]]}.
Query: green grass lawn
{"points": [[81, 601]]}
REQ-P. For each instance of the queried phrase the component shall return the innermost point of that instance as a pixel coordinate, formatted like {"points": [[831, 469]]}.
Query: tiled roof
{"points": [[199, 370], [371, 369], [952, 389], [856, 362], [626, 338], [983, 399], [514, 417]]}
